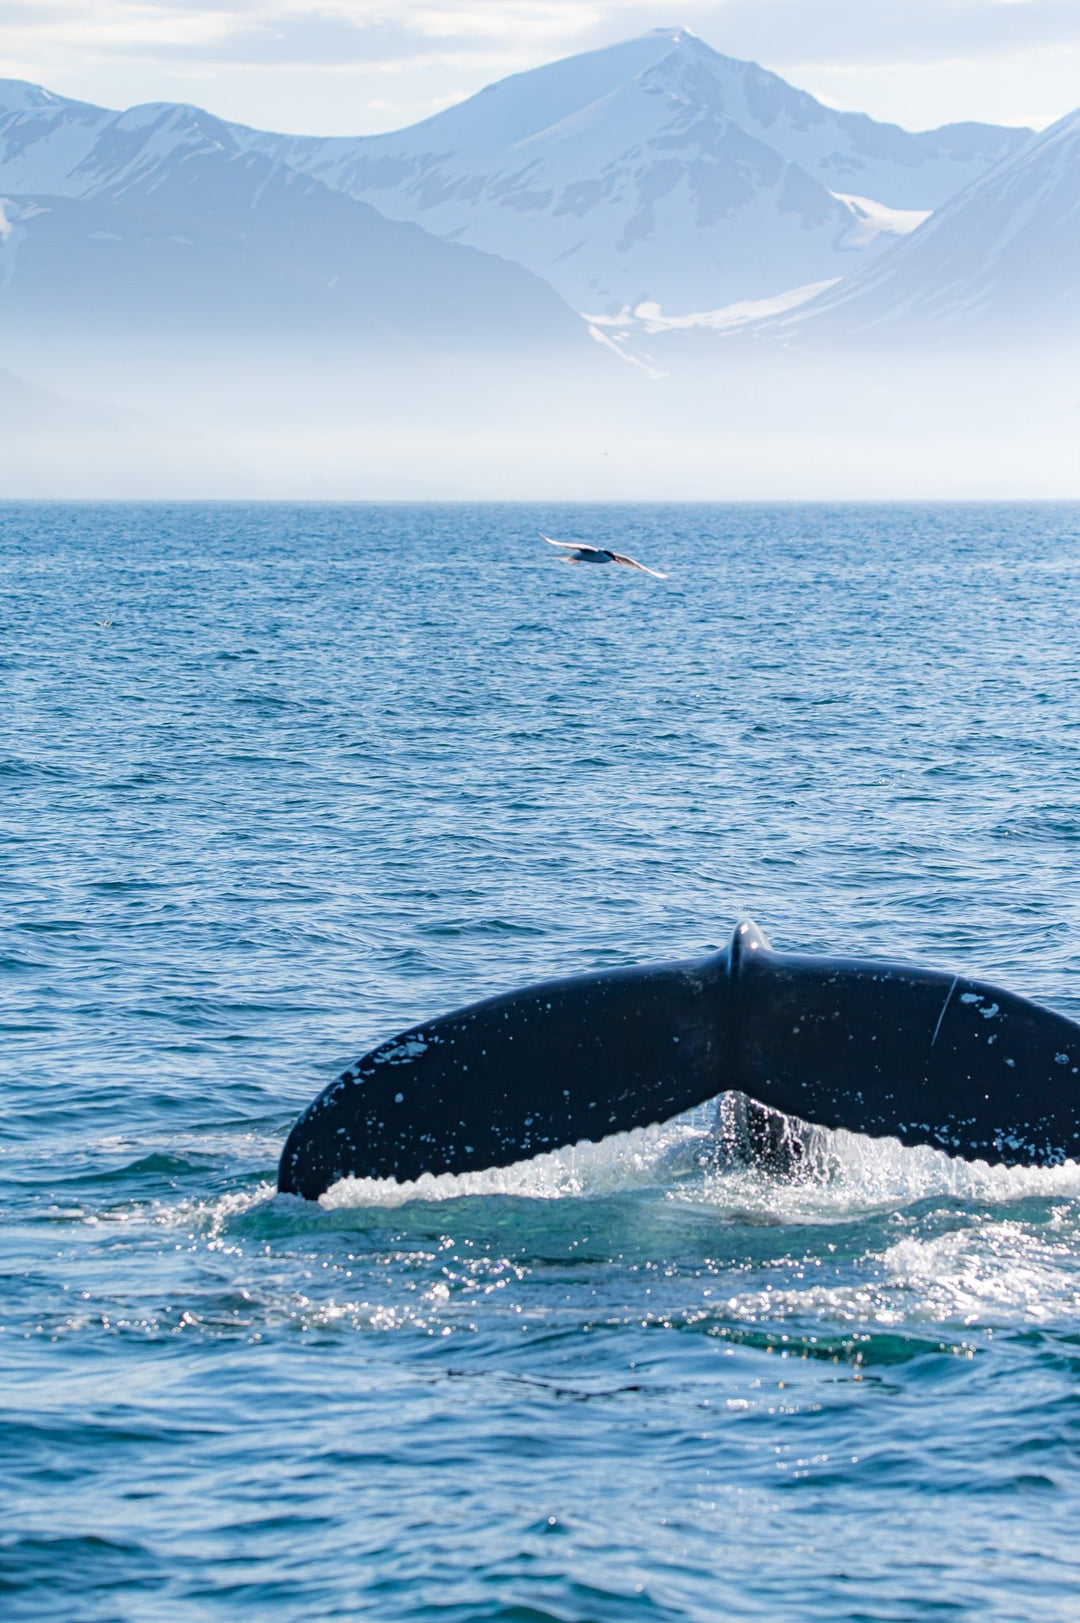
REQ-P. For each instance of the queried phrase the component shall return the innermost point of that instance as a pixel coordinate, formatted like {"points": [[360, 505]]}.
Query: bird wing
{"points": [[575, 546], [632, 563]]}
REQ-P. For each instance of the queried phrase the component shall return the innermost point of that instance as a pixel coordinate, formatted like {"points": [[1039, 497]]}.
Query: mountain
{"points": [[403, 312], [999, 264], [157, 222], [656, 171]]}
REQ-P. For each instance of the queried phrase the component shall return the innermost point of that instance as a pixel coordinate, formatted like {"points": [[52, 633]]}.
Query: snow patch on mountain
{"points": [[650, 318], [878, 219]]}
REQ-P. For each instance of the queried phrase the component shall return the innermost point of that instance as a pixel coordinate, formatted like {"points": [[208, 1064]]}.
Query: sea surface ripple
{"points": [[280, 780]]}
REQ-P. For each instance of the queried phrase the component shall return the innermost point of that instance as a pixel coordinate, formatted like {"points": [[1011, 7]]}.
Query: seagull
{"points": [[578, 553]]}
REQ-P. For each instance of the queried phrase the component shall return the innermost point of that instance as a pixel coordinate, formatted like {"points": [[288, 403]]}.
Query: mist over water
{"points": [[678, 416], [279, 780]]}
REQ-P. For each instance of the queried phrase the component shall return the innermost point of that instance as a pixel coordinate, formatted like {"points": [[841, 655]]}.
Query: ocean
{"points": [[279, 780]]}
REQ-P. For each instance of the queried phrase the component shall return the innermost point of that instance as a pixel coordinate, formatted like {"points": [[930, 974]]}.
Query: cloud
{"points": [[885, 32], [335, 31], [250, 31], [449, 48]]}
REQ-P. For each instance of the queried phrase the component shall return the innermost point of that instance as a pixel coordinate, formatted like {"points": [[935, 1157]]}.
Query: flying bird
{"points": [[577, 553]]}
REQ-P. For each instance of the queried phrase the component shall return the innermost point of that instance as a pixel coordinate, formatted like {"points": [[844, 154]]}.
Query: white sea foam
{"points": [[646, 1156], [985, 1272], [848, 1173], [842, 1174]]}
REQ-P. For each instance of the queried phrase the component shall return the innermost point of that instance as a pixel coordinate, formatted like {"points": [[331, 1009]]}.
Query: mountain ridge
{"points": [[655, 170], [699, 179]]}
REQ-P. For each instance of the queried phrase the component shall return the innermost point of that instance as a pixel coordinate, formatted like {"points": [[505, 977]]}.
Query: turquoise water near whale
{"points": [[279, 780]]}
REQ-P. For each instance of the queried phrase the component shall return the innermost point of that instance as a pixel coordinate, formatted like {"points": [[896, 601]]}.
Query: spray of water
{"points": [[713, 1155]]}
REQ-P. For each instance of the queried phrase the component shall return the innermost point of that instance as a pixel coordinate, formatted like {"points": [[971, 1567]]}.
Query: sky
{"points": [[360, 66]]}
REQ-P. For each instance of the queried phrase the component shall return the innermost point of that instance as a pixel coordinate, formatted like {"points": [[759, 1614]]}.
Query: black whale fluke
{"points": [[878, 1048]]}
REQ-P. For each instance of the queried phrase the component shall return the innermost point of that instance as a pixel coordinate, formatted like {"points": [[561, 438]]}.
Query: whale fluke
{"points": [[879, 1048]]}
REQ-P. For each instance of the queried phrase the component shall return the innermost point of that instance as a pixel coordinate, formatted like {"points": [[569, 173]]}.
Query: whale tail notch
{"points": [[880, 1048]]}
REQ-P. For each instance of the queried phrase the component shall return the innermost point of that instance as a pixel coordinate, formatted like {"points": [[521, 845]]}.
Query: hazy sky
{"points": [[340, 66]]}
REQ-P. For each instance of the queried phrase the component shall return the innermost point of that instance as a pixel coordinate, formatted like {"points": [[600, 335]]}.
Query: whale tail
{"points": [[879, 1048]]}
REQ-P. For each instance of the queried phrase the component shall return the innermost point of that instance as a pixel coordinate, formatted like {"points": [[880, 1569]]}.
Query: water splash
{"points": [[645, 1157], [708, 1156]]}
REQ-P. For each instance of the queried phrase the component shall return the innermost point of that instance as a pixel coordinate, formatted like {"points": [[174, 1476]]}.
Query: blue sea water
{"points": [[279, 780]]}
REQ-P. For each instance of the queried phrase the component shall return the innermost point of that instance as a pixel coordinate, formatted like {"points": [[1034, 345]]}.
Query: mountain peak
{"points": [[169, 116], [677, 36], [20, 96], [684, 46]]}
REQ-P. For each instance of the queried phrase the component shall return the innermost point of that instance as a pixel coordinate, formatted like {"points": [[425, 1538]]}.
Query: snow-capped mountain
{"points": [[158, 221], [208, 274], [656, 171], [998, 264]]}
